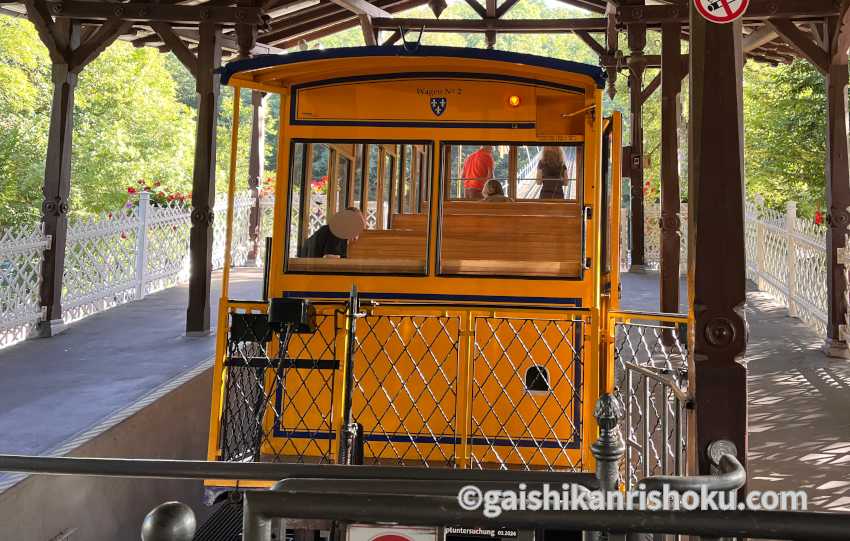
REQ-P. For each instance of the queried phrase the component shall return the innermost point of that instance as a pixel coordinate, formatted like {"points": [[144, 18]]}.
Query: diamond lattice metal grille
{"points": [[305, 398], [650, 364], [405, 388], [514, 426], [278, 410]]}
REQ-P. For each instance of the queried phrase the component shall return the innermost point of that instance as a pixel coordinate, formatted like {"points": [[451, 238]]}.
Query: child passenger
{"points": [[493, 191]]}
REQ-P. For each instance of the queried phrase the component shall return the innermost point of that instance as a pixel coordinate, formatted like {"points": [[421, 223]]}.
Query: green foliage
{"points": [[25, 92], [128, 125], [785, 118]]}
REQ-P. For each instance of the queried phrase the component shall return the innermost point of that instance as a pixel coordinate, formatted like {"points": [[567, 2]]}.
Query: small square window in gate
{"points": [[537, 379]]}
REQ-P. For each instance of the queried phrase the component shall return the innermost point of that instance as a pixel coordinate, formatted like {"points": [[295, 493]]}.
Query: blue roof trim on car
{"points": [[267, 61]]}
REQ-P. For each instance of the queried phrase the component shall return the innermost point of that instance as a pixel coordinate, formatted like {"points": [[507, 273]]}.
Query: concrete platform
{"points": [[124, 383]]}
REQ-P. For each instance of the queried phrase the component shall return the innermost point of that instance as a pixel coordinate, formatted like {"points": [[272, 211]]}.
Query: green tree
{"points": [[785, 120]]}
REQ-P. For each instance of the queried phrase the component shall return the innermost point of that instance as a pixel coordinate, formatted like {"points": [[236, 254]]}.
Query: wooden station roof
{"points": [[776, 31]]}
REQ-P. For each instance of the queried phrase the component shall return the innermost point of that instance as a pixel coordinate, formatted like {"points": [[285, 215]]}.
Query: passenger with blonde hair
{"points": [[493, 191], [552, 173]]}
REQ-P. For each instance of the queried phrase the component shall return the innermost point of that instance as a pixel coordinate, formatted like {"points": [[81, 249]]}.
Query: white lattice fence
{"points": [[21, 250], [652, 237], [101, 262], [786, 257], [110, 259]]}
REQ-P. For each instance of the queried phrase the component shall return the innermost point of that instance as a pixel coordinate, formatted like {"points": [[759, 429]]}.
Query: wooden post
{"points": [[717, 258], [203, 183], [256, 161], [69, 55], [637, 65], [671, 87], [57, 184], [838, 188]]}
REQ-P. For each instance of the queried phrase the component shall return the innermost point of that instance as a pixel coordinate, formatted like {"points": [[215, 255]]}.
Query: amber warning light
{"points": [[513, 101]]}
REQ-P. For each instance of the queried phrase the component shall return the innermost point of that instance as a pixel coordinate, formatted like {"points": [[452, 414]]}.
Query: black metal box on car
{"points": [[296, 312]]}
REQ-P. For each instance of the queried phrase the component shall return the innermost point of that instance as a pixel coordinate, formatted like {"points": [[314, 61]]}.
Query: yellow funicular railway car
{"points": [[444, 253]]}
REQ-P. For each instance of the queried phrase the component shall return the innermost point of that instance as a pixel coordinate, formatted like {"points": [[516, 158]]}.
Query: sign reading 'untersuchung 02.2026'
{"points": [[722, 11]]}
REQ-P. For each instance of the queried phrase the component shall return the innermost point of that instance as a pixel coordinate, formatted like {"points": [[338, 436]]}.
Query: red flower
{"points": [[818, 218], [131, 190], [161, 194]]}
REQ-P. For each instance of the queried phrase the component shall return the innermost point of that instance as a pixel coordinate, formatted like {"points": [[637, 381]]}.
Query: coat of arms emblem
{"points": [[438, 106]]}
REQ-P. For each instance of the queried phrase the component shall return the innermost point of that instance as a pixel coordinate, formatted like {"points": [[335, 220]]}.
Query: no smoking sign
{"points": [[722, 11]]}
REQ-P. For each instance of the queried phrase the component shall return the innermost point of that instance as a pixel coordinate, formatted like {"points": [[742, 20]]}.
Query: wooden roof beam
{"points": [[759, 37], [757, 10], [362, 7], [478, 8], [148, 12], [528, 26], [505, 7], [840, 42], [341, 24], [802, 42]]}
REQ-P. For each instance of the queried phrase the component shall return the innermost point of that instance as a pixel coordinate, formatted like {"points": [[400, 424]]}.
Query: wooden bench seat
{"points": [[410, 222], [506, 244], [389, 244], [350, 264], [520, 208]]}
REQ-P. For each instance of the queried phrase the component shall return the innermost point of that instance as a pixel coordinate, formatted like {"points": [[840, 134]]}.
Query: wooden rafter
{"points": [[362, 7], [40, 18], [802, 42], [530, 26], [177, 46], [591, 42], [650, 89], [146, 12], [758, 38], [505, 7], [840, 42], [477, 7], [370, 37], [97, 42]]}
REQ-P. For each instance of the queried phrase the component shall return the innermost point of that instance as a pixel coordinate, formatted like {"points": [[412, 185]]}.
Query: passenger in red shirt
{"points": [[477, 169]]}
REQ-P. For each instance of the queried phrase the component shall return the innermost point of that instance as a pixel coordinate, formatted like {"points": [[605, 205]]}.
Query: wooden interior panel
{"points": [[388, 244], [511, 244], [411, 222], [518, 208]]}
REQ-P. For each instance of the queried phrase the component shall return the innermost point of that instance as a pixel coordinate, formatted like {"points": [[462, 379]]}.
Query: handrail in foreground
{"points": [[263, 506], [386, 499]]}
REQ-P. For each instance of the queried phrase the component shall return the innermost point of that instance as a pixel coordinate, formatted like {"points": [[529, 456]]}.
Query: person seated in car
{"points": [[552, 173], [493, 191], [331, 240]]}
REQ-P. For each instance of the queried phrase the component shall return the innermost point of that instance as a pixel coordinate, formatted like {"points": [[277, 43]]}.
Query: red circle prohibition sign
{"points": [[722, 11]]}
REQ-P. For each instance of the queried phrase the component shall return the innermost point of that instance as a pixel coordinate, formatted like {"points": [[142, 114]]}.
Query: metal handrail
{"points": [[263, 471], [732, 476]]}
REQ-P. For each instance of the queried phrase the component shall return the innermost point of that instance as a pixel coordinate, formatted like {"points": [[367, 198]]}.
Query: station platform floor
{"points": [[58, 393]]}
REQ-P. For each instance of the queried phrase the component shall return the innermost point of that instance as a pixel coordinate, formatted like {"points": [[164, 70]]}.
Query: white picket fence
{"points": [[786, 256], [110, 259]]}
